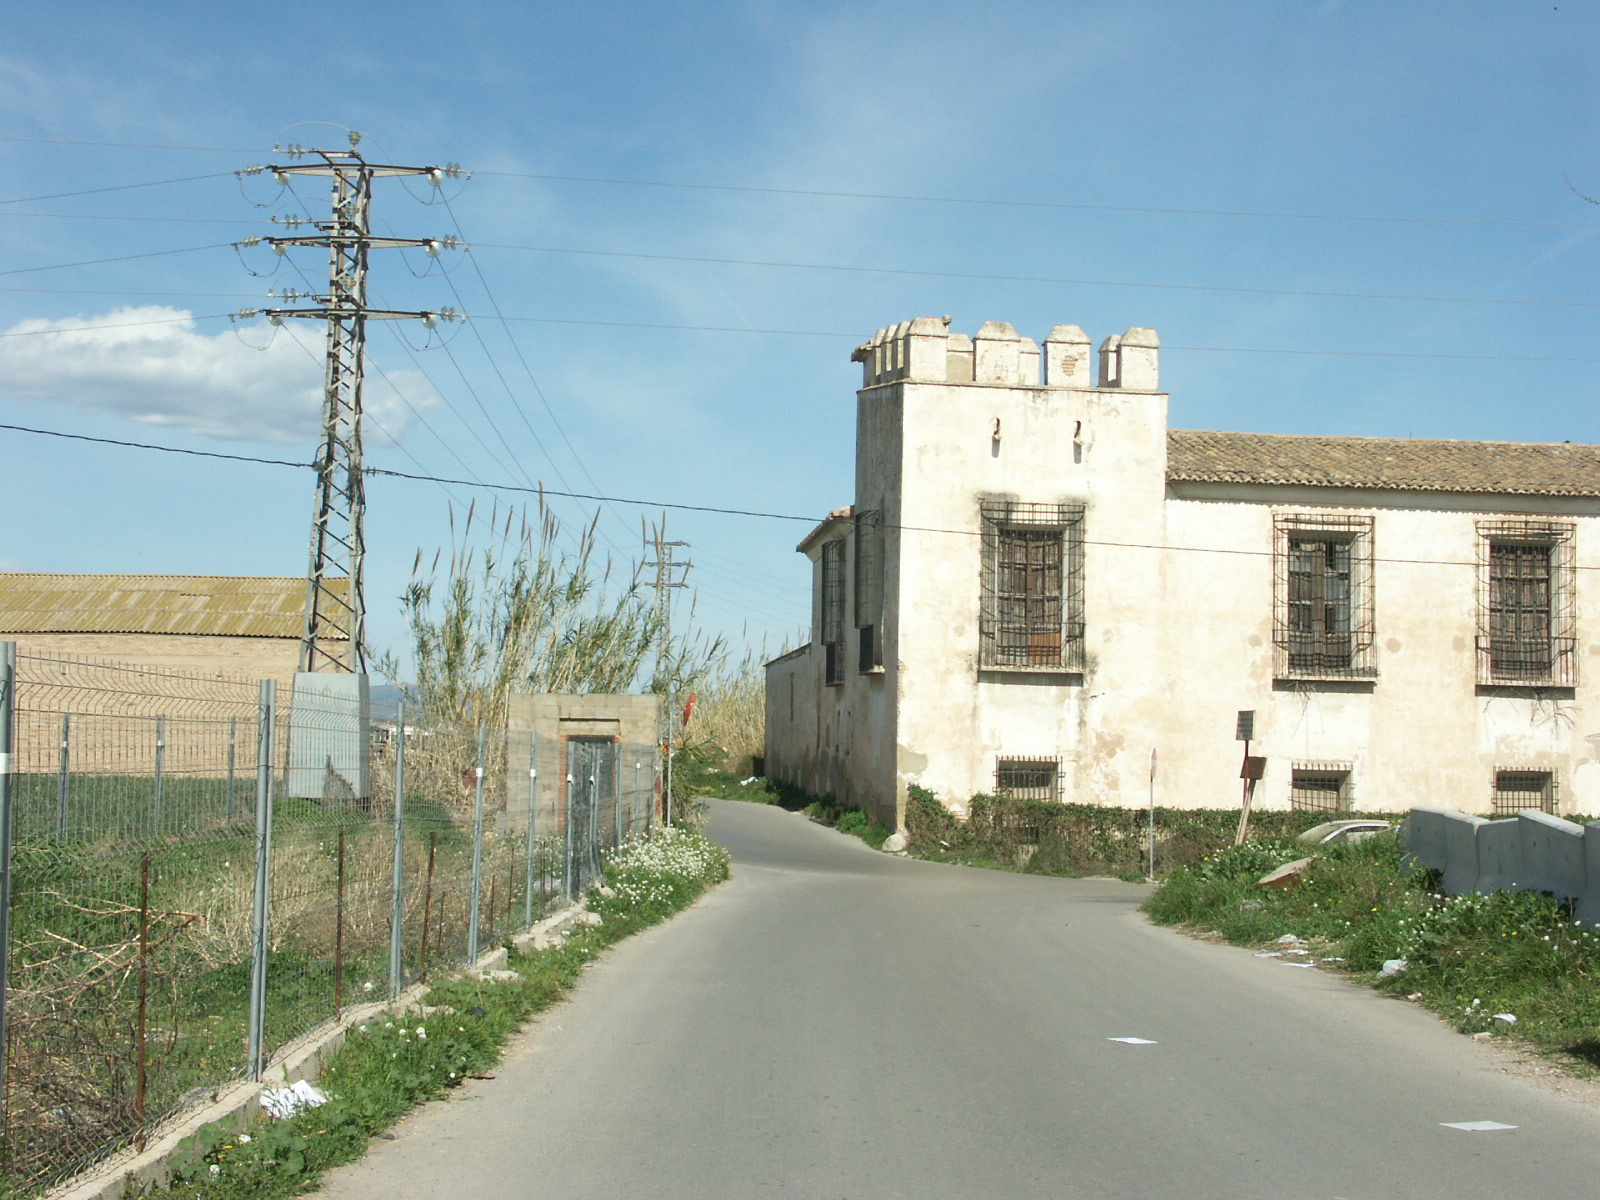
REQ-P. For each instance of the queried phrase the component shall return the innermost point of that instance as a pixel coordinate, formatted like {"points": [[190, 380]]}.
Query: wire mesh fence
{"points": [[204, 869]]}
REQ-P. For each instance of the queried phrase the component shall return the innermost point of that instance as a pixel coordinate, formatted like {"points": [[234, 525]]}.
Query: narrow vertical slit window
{"points": [[869, 591], [833, 610], [1031, 615]]}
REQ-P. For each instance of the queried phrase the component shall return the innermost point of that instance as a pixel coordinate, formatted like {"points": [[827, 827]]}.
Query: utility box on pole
{"points": [[330, 736]]}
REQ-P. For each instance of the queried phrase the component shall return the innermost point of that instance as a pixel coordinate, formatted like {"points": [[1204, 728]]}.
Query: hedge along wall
{"points": [[1047, 838]]}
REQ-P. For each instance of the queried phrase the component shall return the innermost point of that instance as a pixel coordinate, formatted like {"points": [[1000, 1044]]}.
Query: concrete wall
{"points": [[1178, 603], [1533, 852], [537, 730]]}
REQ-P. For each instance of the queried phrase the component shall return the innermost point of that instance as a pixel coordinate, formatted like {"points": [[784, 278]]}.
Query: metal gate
{"points": [[591, 807]]}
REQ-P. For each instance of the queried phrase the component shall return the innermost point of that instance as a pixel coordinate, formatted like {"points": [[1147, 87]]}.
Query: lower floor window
{"points": [[1523, 791], [1028, 778], [1317, 788]]}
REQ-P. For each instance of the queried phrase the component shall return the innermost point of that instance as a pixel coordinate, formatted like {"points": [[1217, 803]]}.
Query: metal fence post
{"points": [[8, 722], [397, 917], [533, 841], [233, 741], [61, 797], [477, 856], [638, 795], [258, 964], [567, 821], [161, 757], [616, 802]]}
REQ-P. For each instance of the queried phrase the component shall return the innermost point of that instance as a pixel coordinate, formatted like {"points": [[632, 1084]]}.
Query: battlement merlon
{"points": [[924, 350]]}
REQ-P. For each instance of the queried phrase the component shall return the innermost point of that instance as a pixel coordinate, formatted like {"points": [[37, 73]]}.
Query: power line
{"points": [[811, 519], [816, 333], [95, 262], [119, 187], [164, 220], [134, 145], [116, 325], [1122, 283], [1130, 208]]}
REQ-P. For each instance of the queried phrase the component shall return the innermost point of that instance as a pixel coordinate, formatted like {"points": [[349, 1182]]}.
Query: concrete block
{"points": [[1499, 856], [959, 359], [1445, 841], [1139, 360], [1067, 351], [997, 349], [1589, 902], [927, 349], [1109, 362], [1027, 363], [1552, 855], [330, 719]]}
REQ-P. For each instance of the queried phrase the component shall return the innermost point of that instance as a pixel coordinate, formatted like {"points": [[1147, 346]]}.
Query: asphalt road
{"points": [[839, 1023]]}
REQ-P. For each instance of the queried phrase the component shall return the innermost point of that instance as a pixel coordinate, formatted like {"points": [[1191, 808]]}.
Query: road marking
{"points": [[1133, 1041], [1476, 1126]]}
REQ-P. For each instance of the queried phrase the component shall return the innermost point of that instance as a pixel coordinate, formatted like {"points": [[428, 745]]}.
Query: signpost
{"points": [[1253, 768]]}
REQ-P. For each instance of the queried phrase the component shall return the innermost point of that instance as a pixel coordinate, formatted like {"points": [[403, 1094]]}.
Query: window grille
{"points": [[1319, 787], [1527, 628], [1322, 621], [833, 609], [1524, 791], [869, 589], [1032, 599], [1028, 778]]}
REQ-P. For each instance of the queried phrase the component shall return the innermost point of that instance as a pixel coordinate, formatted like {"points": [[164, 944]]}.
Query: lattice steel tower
{"points": [[335, 599]]}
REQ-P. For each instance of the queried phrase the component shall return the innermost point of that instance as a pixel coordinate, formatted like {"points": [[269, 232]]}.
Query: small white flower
{"points": [[422, 1033], [215, 1170], [244, 1139]]}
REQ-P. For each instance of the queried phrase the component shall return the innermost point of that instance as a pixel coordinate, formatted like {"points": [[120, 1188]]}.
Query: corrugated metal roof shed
{"points": [[214, 605], [1409, 464]]}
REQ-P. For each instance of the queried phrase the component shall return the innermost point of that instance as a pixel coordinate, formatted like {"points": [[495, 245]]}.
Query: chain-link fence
{"points": [[203, 869]]}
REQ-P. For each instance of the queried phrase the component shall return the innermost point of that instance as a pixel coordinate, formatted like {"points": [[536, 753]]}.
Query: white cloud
{"points": [[151, 365]]}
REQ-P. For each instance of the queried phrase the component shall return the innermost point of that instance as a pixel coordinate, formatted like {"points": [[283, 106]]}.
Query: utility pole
{"points": [[667, 579], [335, 594]]}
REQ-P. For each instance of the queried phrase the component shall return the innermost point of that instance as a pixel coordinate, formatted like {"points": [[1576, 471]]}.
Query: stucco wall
{"points": [[1178, 605]]}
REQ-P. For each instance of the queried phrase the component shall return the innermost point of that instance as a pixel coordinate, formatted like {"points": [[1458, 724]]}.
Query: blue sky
{"points": [[1452, 131]]}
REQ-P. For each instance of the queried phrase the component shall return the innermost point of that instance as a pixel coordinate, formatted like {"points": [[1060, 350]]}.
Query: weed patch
{"points": [[1468, 958], [391, 1064]]}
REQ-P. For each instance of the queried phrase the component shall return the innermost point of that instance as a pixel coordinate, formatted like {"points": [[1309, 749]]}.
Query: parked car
{"points": [[1341, 831]]}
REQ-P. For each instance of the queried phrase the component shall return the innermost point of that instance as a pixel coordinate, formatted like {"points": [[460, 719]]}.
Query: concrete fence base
{"points": [[1534, 852], [302, 1059]]}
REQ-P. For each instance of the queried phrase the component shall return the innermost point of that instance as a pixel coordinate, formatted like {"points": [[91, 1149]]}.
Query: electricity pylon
{"points": [[335, 595]]}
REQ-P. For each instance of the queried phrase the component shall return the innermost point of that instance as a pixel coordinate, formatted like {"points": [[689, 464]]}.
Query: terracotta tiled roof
{"points": [[1409, 464], [218, 605]]}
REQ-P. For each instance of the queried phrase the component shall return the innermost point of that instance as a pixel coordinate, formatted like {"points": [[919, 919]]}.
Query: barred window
{"points": [[1526, 621], [1523, 791], [1031, 614], [833, 609], [1028, 778], [1322, 605], [1320, 787], [869, 590]]}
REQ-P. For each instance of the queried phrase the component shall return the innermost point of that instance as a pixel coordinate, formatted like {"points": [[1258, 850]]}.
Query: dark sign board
{"points": [[1254, 768], [1246, 731]]}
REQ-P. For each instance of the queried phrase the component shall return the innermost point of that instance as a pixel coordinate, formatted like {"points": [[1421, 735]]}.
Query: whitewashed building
{"points": [[1039, 583]]}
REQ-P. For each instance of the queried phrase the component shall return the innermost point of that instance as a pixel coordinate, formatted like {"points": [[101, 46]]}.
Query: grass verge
{"points": [[1468, 958], [389, 1066]]}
